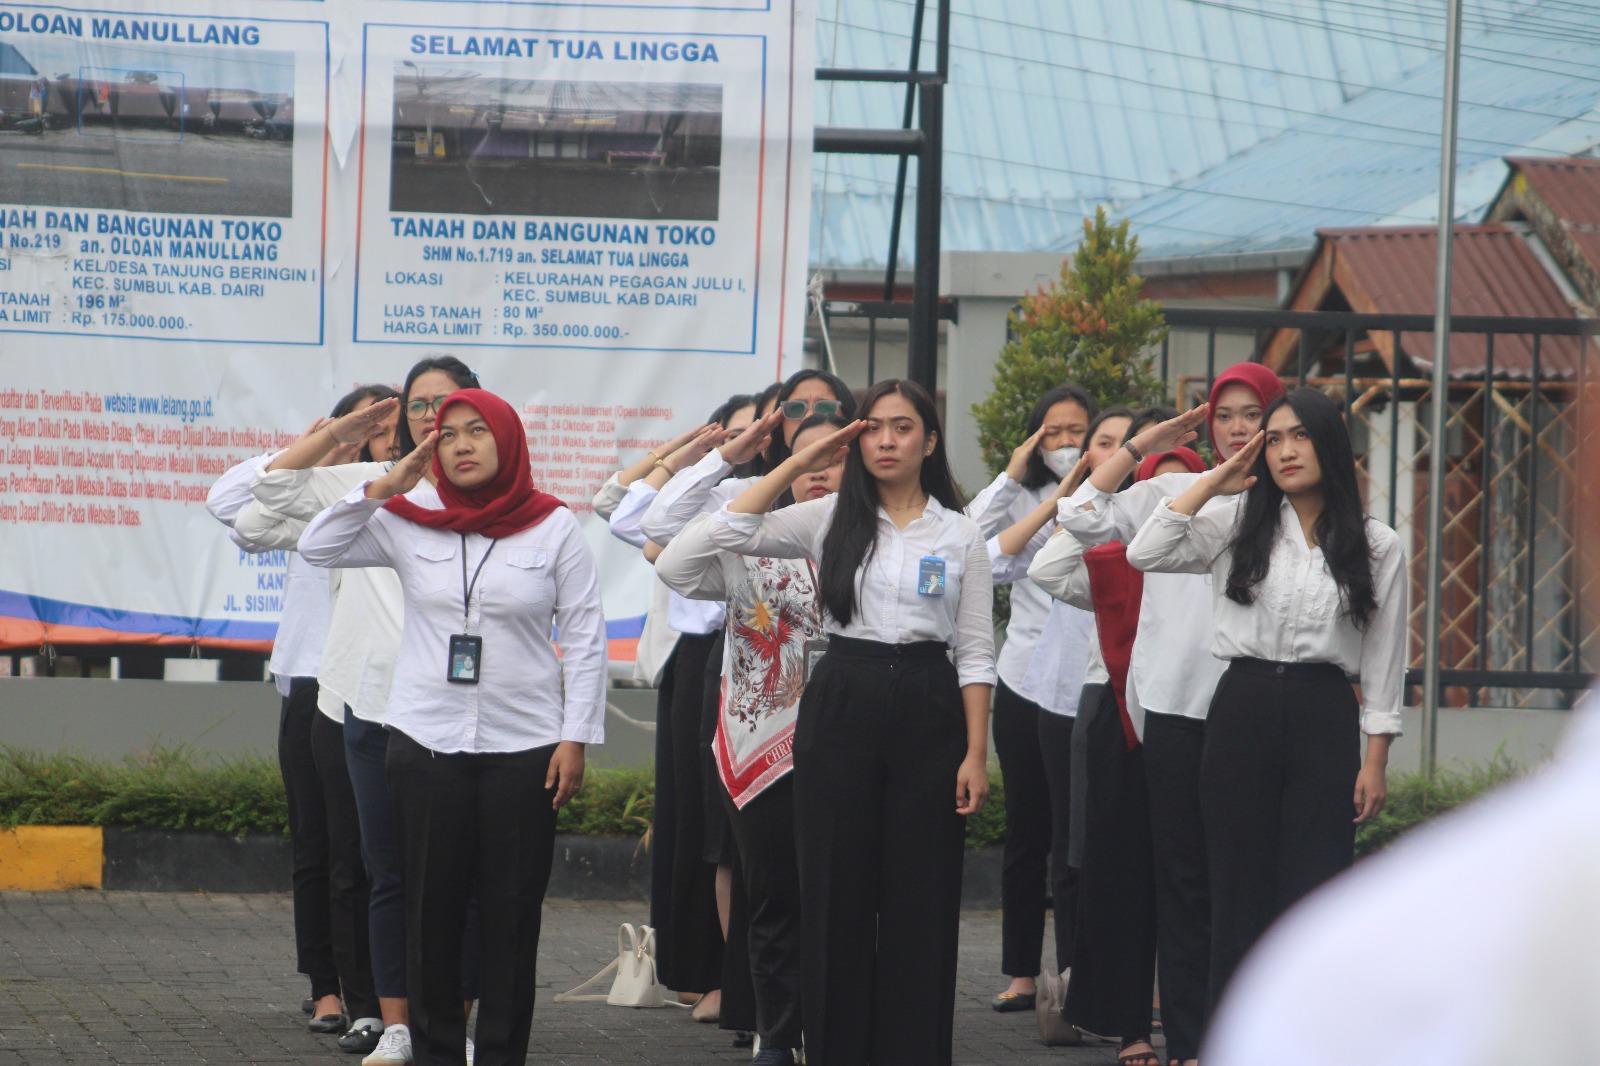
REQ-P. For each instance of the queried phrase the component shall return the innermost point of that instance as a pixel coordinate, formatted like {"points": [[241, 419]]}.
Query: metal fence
{"points": [[1513, 629]]}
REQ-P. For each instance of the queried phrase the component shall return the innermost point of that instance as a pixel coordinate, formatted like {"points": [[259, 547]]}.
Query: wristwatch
{"points": [[1137, 456]]}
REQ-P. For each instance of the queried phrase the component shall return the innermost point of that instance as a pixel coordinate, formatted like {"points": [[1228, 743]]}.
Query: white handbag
{"points": [[635, 967]]}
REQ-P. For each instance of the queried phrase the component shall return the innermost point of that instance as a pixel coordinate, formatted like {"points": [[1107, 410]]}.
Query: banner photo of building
{"points": [[212, 226]]}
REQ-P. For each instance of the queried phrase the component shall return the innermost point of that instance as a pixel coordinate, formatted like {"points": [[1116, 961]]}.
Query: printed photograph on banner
{"points": [[479, 140], [141, 126]]}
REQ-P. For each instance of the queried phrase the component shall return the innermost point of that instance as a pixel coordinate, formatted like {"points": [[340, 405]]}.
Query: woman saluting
{"points": [[889, 726], [1308, 591], [487, 724]]}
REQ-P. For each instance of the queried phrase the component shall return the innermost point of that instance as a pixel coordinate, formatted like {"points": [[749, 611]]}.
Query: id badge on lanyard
{"points": [[464, 664], [930, 576]]}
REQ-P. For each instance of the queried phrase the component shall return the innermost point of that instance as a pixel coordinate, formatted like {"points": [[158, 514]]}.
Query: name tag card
{"points": [[930, 576], [466, 659]]}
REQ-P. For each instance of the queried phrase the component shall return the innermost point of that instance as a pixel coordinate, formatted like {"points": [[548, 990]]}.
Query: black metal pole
{"points": [[922, 365], [900, 176]]}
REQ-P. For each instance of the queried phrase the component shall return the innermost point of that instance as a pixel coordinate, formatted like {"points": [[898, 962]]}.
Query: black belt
{"points": [[878, 651], [1297, 671]]}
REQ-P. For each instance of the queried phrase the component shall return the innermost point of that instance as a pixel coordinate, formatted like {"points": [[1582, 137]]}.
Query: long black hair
{"points": [[1341, 529], [853, 533], [779, 450], [459, 372], [1038, 475], [348, 401]]}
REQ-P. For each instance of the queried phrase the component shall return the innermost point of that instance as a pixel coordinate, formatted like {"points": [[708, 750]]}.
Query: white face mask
{"points": [[1060, 460]]}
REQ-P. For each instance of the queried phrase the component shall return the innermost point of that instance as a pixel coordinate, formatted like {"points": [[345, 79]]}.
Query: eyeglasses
{"points": [[795, 410], [422, 408]]}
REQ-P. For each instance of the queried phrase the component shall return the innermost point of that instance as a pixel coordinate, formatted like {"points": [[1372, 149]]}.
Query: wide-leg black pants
{"points": [[689, 940], [880, 736], [1172, 749], [1028, 832], [764, 830], [472, 821], [1114, 941], [1277, 777], [348, 887], [1055, 751], [308, 838]]}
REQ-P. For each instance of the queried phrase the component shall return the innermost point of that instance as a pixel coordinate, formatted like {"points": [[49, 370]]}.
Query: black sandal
{"points": [[1137, 1058]]}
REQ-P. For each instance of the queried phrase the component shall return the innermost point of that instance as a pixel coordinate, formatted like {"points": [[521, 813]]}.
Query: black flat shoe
{"points": [[361, 1039], [1011, 1002], [328, 1023]]}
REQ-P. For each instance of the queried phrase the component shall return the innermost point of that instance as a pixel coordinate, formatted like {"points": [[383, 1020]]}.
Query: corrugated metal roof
{"points": [[1528, 84], [1390, 270], [1571, 187], [1055, 107]]}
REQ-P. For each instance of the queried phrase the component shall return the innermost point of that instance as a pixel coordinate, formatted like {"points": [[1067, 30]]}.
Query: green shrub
{"points": [[1415, 798]]}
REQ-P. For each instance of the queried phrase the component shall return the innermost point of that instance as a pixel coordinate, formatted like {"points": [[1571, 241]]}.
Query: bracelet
{"points": [[654, 456], [662, 464], [1138, 458]]}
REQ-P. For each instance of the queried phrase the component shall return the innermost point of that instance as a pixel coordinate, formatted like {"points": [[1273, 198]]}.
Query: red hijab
{"points": [[1187, 456], [1260, 380], [508, 503]]}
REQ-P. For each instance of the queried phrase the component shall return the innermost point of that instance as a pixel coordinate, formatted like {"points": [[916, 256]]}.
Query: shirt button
{"points": [[1280, 668]]}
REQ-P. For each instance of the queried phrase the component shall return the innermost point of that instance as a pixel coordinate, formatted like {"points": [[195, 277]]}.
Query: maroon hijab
{"points": [[1266, 384], [508, 503]]}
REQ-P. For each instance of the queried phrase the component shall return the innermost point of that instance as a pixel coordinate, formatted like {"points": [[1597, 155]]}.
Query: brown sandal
{"points": [[1137, 1058]]}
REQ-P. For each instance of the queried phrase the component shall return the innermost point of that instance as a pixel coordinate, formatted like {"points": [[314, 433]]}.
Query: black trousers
{"points": [[308, 838], [1172, 750], [880, 736], [1114, 939], [469, 822], [764, 830], [1028, 829], [689, 944], [1276, 780], [348, 888], [1055, 752]]}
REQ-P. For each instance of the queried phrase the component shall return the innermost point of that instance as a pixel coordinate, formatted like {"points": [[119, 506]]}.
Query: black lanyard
{"points": [[466, 588]]}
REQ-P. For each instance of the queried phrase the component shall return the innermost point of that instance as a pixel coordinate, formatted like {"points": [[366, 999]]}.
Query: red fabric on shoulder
{"points": [[508, 503], [1116, 589], [1187, 456], [1265, 383]]}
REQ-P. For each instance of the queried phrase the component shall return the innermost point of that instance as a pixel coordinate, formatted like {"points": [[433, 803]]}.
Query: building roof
{"points": [[1390, 270], [1528, 84], [1048, 115], [1560, 198]]}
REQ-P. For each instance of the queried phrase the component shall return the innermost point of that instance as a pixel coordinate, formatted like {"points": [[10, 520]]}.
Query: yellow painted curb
{"points": [[43, 858]]}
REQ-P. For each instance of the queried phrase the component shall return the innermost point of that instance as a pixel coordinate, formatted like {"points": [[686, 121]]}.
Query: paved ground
{"points": [[106, 977], [138, 170]]}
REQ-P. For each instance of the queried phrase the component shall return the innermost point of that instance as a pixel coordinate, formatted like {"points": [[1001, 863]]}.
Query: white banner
{"points": [[212, 226]]}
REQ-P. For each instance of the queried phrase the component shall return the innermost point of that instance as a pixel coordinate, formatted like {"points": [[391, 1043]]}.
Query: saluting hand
{"points": [[817, 456], [695, 448], [682, 438], [1233, 476], [1017, 468], [358, 427], [1173, 433], [748, 444], [404, 475], [566, 772]]}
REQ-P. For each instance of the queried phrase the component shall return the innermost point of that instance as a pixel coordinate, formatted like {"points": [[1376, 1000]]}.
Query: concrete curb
{"points": [[45, 858]]}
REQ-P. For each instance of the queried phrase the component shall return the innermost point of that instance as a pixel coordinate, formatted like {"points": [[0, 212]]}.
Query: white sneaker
{"points": [[469, 1051], [394, 1048]]}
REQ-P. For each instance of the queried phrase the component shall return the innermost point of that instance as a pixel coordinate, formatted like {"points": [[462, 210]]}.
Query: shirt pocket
{"points": [[433, 564], [527, 574]]}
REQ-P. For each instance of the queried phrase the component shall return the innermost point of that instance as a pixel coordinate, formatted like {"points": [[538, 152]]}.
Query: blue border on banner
{"points": [[322, 239], [601, 5], [755, 295], [63, 613]]}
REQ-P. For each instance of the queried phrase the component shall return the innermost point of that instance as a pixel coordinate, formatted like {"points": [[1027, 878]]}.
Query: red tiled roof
{"points": [[1572, 189], [1390, 270]]}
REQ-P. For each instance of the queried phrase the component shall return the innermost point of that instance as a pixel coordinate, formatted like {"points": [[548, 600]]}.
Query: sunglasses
{"points": [[420, 408], [794, 410]]}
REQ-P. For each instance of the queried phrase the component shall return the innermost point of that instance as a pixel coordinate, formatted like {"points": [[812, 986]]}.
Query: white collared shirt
{"points": [[1171, 667], [698, 617], [540, 578], [889, 608], [1298, 615], [1043, 658], [358, 656], [694, 490]]}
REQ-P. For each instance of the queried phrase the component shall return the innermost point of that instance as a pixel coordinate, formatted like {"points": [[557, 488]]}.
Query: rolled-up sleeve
{"points": [[1385, 646], [691, 565], [1173, 543], [992, 508], [683, 497], [580, 620], [608, 496], [230, 493], [1058, 569], [974, 650], [303, 493], [624, 521], [794, 532]]}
